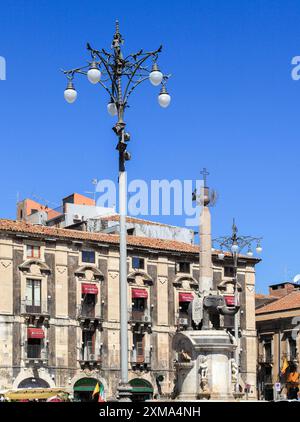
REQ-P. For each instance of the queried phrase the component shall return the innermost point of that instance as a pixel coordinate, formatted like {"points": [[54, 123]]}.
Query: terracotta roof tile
{"points": [[13, 226], [285, 303], [262, 296], [150, 243], [116, 217]]}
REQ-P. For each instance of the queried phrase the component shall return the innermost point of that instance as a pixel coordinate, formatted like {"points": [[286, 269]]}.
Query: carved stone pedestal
{"points": [[204, 365], [124, 392]]}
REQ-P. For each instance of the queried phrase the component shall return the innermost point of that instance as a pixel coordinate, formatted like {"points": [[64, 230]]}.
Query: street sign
{"points": [[278, 387]]}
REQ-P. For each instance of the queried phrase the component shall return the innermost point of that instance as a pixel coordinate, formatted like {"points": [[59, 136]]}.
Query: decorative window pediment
{"points": [[224, 286], [89, 272], [139, 277], [185, 281], [30, 264]]}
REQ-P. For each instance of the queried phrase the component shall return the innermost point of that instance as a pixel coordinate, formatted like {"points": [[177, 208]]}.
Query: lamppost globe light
{"points": [[249, 253], [164, 98], [234, 248], [94, 74], [156, 76], [221, 255], [112, 109], [70, 94], [258, 248]]}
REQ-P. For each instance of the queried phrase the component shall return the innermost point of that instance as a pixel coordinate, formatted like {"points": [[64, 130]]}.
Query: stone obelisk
{"points": [[205, 261]]}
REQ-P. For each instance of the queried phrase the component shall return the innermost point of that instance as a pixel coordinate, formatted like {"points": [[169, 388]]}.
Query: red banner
{"points": [[186, 297], [35, 333], [139, 293], [89, 289]]}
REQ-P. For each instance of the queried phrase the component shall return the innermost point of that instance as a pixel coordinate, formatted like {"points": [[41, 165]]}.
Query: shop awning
{"points": [[229, 300], [89, 289], [32, 393], [139, 293], [86, 384], [140, 386], [35, 333], [186, 297]]}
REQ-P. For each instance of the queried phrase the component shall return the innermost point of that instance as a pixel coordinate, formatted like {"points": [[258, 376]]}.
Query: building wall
{"points": [[61, 272], [276, 328]]}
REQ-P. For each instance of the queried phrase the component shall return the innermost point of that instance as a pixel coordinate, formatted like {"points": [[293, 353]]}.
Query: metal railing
{"points": [[88, 311], [267, 379], [36, 352], [87, 354], [139, 316], [140, 359], [31, 309], [265, 358]]}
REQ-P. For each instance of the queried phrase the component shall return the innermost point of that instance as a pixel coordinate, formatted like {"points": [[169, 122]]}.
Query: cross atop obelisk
{"points": [[205, 173]]}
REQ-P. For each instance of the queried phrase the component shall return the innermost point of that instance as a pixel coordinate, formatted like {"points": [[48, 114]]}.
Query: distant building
{"points": [[277, 335], [81, 213]]}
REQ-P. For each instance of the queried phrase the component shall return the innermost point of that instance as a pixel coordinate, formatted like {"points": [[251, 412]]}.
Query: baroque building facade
{"points": [[59, 309], [278, 340]]}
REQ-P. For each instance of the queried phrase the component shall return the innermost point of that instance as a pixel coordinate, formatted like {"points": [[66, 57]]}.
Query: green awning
{"points": [[139, 385], [84, 388], [142, 390], [85, 384]]}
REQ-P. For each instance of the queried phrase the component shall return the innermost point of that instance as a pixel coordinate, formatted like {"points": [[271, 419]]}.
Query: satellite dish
{"points": [[296, 279]]}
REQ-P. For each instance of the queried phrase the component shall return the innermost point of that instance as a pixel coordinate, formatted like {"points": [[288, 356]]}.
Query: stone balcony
{"points": [[89, 317], [140, 321], [35, 314], [141, 362]]}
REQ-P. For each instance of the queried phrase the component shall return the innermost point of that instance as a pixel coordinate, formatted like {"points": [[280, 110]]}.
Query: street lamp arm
{"points": [[137, 66], [105, 64], [70, 75], [134, 86], [241, 241], [141, 52]]}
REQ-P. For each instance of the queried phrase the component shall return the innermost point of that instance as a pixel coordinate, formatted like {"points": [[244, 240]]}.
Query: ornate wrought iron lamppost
{"points": [[119, 76], [235, 245]]}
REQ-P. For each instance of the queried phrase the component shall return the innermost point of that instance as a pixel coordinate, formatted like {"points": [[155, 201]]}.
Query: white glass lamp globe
{"points": [[112, 109], [155, 76], [164, 98], [249, 253], [70, 94], [94, 74], [258, 249], [234, 248], [221, 255]]}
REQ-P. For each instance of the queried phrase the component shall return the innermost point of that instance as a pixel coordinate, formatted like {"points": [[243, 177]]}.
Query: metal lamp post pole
{"points": [[109, 70], [236, 318], [235, 244], [234, 241]]}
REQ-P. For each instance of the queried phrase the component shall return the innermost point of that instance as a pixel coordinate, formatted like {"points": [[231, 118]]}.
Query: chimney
{"points": [[282, 289]]}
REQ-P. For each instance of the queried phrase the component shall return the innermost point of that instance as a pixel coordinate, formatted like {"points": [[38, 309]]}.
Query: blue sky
{"points": [[235, 109]]}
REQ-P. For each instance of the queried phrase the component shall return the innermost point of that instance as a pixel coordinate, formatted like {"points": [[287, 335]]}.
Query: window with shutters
{"points": [[88, 257], [34, 347], [33, 296], [138, 263], [33, 251], [138, 341], [183, 267]]}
